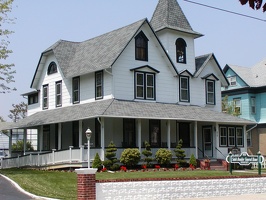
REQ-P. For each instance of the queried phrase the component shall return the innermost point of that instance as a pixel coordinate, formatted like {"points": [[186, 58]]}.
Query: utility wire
{"points": [[228, 11]]}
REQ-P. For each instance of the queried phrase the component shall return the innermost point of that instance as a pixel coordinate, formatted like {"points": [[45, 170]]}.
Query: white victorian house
{"points": [[139, 83]]}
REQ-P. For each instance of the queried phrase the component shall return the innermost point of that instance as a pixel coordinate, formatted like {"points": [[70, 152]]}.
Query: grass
{"points": [[63, 185]]}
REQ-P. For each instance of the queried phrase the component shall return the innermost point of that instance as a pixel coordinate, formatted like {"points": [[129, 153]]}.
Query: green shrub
{"points": [[111, 156], [147, 153], [180, 154], [193, 160], [97, 162], [130, 157], [163, 156]]}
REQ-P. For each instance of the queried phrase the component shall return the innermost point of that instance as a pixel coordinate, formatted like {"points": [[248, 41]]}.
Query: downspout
{"points": [[252, 128]]}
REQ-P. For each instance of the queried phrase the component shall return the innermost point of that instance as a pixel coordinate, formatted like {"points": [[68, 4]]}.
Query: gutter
{"points": [[252, 128]]}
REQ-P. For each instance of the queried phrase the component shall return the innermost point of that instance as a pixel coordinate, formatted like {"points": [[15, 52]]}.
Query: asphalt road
{"points": [[9, 191]]}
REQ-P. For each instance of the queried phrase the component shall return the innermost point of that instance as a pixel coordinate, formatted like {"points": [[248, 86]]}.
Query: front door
{"points": [[207, 141]]}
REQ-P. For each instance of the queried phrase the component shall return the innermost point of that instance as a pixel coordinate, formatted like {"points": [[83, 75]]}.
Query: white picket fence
{"points": [[263, 164]]}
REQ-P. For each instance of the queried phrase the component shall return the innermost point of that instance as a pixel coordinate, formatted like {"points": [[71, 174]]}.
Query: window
{"points": [[231, 136], [129, 134], [253, 105], [76, 89], [210, 92], [237, 106], [239, 137], [184, 89], [223, 136], [232, 80], [52, 68], [144, 85], [99, 85], [45, 97], [249, 139], [180, 50], [58, 93], [155, 133], [141, 47], [33, 98], [97, 133]]}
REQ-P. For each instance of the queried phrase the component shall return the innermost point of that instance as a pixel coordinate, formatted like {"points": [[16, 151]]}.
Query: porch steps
{"points": [[218, 165]]}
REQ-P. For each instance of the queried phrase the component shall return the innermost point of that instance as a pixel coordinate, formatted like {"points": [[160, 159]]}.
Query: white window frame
{"points": [[76, 90], [99, 84], [145, 87], [231, 136], [210, 92], [232, 80], [45, 97], [237, 104], [223, 134], [184, 98], [249, 139], [239, 137], [58, 94]]}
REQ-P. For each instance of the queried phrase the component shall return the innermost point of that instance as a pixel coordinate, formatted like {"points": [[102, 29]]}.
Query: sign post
{"points": [[259, 163], [244, 159]]}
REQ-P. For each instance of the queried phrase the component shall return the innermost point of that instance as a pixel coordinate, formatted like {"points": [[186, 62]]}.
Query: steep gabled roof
{"points": [[254, 76], [168, 14], [201, 62], [78, 58]]}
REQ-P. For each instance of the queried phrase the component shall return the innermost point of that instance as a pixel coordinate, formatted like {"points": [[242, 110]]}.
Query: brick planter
{"points": [[86, 186]]}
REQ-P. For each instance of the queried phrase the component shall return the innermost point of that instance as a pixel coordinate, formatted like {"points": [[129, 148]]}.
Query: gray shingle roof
{"points": [[79, 58], [168, 14], [128, 109], [254, 76]]}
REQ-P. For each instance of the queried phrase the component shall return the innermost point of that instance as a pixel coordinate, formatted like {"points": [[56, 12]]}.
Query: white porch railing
{"points": [[263, 164], [70, 156]]}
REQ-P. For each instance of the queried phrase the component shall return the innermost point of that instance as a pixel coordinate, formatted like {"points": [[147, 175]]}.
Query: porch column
{"points": [[10, 143], [59, 136], [196, 139], [80, 132], [217, 136], [24, 140], [102, 137], [168, 134], [41, 138], [139, 133]]}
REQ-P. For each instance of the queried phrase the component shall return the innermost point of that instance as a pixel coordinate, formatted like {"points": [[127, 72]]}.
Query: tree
{"points": [[229, 107], [110, 154], [18, 112], [6, 71], [147, 153], [19, 146], [254, 4]]}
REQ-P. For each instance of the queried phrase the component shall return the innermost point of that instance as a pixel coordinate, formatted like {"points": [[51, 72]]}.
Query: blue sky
{"points": [[39, 24]]}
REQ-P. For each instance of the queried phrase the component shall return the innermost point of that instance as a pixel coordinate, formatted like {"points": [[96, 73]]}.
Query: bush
{"points": [[180, 154], [111, 156], [163, 156], [147, 153], [192, 160], [97, 162], [130, 157]]}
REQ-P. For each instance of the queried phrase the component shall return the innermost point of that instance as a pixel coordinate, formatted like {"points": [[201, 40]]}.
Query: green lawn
{"points": [[63, 185]]}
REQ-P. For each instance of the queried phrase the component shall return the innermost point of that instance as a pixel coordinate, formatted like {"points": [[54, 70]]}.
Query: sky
{"points": [[232, 38]]}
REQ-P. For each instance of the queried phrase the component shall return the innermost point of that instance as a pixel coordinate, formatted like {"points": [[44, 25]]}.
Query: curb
{"points": [[25, 192]]}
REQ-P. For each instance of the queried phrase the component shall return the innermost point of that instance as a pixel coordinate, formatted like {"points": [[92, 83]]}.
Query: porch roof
{"points": [[128, 109]]}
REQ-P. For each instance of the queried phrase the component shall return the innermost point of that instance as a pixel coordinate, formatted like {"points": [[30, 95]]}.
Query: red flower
{"points": [[144, 166], [191, 166], [157, 166], [104, 169], [176, 166], [123, 168]]}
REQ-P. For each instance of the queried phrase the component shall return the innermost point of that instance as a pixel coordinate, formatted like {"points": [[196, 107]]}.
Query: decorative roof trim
{"points": [[209, 75], [145, 66]]}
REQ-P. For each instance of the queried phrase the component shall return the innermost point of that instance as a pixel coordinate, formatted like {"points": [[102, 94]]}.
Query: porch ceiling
{"points": [[128, 109]]}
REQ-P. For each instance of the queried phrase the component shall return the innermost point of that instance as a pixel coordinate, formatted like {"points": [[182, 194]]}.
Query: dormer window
{"points": [[141, 47], [181, 51], [210, 92], [52, 68]]}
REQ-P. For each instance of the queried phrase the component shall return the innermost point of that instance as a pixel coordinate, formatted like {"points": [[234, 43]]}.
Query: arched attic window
{"points": [[181, 50], [141, 47], [52, 68]]}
